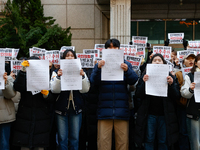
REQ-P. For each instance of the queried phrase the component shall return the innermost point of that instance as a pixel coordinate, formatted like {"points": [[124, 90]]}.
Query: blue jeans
{"points": [[156, 125], [68, 130], [4, 136], [193, 127], [183, 134]]}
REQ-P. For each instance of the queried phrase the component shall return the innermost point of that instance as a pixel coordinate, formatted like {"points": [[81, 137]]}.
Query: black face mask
{"points": [[7, 68]]}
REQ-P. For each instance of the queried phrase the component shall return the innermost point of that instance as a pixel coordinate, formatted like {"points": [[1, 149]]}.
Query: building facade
{"points": [[94, 21]]}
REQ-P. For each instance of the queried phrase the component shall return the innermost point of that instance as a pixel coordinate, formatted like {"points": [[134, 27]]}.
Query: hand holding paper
{"points": [[82, 72], [60, 72], [169, 80], [5, 77], [124, 66], [101, 63], [145, 78], [192, 86], [12, 75]]}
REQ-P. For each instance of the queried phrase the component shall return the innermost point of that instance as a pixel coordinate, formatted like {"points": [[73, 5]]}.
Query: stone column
{"points": [[120, 20]]}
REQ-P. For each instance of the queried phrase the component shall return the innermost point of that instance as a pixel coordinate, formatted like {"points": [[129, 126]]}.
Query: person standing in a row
{"points": [[68, 108], [7, 110], [192, 107], [156, 117], [113, 107], [33, 119]]}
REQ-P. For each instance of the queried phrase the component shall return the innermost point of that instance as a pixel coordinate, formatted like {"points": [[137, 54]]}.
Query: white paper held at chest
{"points": [[157, 84]]}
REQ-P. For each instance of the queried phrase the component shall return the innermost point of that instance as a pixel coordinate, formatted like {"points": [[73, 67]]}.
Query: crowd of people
{"points": [[103, 115]]}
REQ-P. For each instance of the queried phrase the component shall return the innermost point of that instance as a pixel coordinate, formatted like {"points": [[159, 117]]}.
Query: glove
{"points": [[45, 92], [24, 65]]}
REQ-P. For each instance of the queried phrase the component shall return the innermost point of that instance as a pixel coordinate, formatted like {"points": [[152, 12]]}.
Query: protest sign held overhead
{"points": [[15, 53], [140, 41], [141, 51], [16, 66], [100, 47], [129, 49], [132, 50], [181, 54], [8, 54], [37, 52], [197, 50], [164, 50], [87, 60], [194, 44], [135, 61], [64, 48], [175, 38], [92, 51], [53, 56]]}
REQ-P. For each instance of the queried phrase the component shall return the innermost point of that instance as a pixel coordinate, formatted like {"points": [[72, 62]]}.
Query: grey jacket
{"points": [[7, 108]]}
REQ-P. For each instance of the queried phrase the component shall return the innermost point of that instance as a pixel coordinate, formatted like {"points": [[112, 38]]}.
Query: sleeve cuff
{"points": [[191, 91]]}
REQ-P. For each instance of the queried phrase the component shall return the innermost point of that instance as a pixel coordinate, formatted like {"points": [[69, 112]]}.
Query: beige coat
{"points": [[7, 108]]}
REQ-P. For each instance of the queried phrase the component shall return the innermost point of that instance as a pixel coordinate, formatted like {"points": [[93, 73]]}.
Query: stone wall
{"points": [[88, 24]]}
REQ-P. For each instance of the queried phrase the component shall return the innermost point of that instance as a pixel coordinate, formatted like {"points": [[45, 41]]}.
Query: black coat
{"points": [[169, 113], [33, 119]]}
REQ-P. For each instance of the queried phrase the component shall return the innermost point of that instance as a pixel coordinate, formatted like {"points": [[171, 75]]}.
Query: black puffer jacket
{"points": [[32, 125], [169, 112]]}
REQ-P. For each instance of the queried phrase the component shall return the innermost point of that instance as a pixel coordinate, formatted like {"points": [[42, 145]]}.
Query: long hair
{"points": [[69, 50], [150, 62], [159, 55], [194, 65]]}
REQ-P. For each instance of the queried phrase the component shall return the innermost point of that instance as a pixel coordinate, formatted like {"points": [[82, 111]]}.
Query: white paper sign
{"points": [[112, 70], [53, 56], [2, 70], [140, 41], [92, 51], [171, 65], [132, 50], [197, 50], [2, 52], [37, 52], [8, 54], [100, 47], [71, 78], [16, 66], [141, 51], [164, 50], [194, 44], [15, 53], [129, 49], [64, 48], [181, 54], [87, 60], [38, 75], [135, 61], [175, 38], [185, 71], [197, 87], [157, 84]]}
